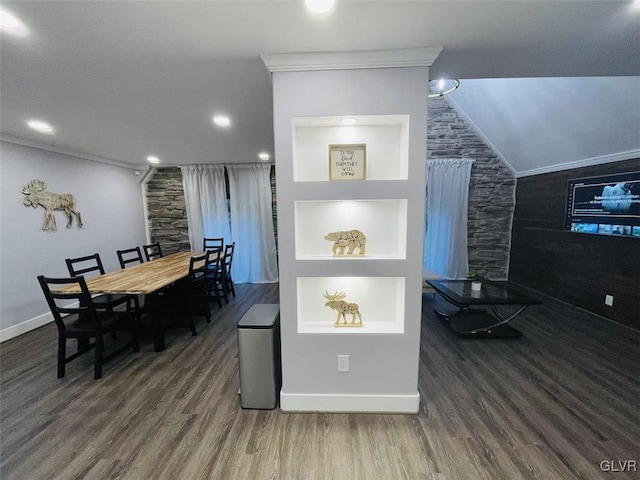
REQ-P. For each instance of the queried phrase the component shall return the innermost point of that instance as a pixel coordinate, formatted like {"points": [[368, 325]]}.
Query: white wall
{"points": [[109, 199]]}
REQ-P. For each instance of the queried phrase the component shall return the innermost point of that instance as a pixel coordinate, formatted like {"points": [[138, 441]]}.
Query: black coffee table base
{"points": [[472, 324], [480, 313]]}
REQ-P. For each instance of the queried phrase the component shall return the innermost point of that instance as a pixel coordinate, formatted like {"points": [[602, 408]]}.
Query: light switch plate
{"points": [[343, 363]]}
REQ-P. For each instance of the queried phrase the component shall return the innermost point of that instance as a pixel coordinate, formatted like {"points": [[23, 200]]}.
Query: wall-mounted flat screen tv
{"points": [[607, 205]]}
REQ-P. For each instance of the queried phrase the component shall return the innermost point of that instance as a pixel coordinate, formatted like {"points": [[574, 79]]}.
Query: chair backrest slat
{"points": [[215, 264], [81, 265], [228, 257], [79, 303], [211, 244], [198, 266], [152, 251], [129, 255]]}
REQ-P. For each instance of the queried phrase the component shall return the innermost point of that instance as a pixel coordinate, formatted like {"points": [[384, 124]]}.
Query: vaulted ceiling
{"points": [[537, 125], [122, 80]]}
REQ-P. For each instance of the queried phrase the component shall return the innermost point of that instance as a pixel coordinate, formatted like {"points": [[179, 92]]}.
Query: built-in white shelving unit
{"points": [[387, 108], [383, 221]]}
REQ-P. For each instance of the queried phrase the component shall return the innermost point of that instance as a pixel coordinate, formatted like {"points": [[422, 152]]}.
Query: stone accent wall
{"points": [[166, 211], [491, 190]]}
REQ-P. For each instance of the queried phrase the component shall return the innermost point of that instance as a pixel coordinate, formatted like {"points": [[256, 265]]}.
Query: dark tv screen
{"points": [[606, 205]]}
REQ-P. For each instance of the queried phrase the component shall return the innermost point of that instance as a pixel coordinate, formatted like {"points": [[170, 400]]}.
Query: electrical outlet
{"points": [[343, 363], [608, 300]]}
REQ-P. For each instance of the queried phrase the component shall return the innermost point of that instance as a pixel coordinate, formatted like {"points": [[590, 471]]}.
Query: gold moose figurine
{"points": [[336, 302], [349, 239]]}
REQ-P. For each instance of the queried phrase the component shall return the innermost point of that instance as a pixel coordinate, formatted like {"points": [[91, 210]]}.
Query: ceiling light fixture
{"points": [[40, 126], [153, 159], [349, 121], [11, 24], [441, 87], [320, 7], [222, 120], [264, 156]]}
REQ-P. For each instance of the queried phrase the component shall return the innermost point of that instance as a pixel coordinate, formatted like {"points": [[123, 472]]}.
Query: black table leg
{"points": [[479, 324], [158, 335], [155, 310], [445, 308], [472, 323]]}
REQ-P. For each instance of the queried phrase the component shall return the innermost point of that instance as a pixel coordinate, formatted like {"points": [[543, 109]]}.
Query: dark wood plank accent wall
{"points": [[579, 269]]}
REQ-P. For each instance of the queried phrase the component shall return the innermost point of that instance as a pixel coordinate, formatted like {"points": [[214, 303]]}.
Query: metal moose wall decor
{"points": [[35, 194]]}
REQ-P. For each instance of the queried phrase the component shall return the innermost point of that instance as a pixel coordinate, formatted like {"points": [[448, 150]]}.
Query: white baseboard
{"points": [[302, 402], [24, 327]]}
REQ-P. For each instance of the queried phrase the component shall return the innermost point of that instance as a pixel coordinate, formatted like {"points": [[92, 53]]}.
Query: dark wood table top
{"points": [[492, 293]]}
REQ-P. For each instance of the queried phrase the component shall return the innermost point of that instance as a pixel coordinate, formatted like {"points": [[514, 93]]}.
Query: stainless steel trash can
{"points": [[259, 356]]}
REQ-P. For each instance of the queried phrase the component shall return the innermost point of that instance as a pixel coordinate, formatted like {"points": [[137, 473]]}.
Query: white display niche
{"points": [[383, 222], [380, 300], [386, 138]]}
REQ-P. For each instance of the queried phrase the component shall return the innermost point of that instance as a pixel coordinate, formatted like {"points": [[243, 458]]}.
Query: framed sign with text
{"points": [[347, 162]]}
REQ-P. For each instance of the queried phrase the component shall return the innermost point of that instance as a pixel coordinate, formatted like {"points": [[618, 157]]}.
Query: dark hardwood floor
{"points": [[552, 405]]}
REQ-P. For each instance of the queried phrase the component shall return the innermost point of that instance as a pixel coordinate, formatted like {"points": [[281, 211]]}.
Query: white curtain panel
{"points": [[254, 259], [206, 202], [447, 208]]}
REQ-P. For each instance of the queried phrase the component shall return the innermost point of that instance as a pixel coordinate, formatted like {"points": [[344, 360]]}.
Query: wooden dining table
{"points": [[142, 279]]}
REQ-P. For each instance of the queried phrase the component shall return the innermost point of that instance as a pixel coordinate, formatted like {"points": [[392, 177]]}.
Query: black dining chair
{"points": [[129, 255], [214, 279], [152, 251], [141, 303], [76, 316], [193, 290], [226, 271], [213, 244], [92, 264], [125, 257]]}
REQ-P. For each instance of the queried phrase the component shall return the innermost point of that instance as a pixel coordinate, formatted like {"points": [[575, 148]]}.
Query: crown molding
{"points": [[146, 177], [587, 162], [64, 151], [300, 62]]}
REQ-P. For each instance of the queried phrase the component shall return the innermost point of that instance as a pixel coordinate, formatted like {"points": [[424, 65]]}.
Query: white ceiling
{"points": [[123, 80], [539, 125]]}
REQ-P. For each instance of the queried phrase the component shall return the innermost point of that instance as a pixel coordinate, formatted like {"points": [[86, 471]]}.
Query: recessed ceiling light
{"points": [[349, 121], [11, 24], [40, 126], [320, 7], [153, 159], [222, 120], [264, 156]]}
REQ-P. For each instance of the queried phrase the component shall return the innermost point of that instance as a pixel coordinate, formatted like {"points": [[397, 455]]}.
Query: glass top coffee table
{"points": [[463, 307]]}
